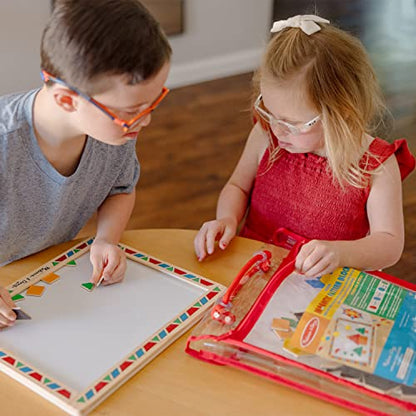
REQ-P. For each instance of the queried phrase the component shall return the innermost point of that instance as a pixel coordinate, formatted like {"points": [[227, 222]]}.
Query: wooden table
{"points": [[174, 383]]}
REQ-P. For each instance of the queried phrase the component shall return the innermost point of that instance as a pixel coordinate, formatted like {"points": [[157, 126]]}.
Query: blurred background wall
{"points": [[21, 25], [220, 38]]}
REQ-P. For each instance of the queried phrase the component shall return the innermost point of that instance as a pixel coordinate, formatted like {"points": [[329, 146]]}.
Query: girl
{"points": [[310, 164]]}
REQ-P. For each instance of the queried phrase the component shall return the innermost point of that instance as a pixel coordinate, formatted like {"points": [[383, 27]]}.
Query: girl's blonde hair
{"points": [[341, 84]]}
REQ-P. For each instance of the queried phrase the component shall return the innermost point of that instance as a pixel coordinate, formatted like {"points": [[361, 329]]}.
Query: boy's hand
{"points": [[109, 261], [223, 230], [317, 258], [7, 316]]}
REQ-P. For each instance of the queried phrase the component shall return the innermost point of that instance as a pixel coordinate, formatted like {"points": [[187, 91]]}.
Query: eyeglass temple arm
{"points": [[48, 77]]}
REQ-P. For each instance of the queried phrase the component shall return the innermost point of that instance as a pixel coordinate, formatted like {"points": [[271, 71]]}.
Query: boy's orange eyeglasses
{"points": [[126, 124]]}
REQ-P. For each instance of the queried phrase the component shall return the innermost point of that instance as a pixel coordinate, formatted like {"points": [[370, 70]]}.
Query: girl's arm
{"points": [[233, 199], [107, 258], [384, 244]]}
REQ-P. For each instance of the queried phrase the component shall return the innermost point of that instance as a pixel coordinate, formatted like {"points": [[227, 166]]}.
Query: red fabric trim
{"points": [[383, 150], [405, 159]]}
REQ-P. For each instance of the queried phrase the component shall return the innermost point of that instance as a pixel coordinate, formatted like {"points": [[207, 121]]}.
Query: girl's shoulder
{"points": [[258, 141], [380, 150]]}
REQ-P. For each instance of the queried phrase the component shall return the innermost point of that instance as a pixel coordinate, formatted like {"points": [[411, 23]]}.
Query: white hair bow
{"points": [[306, 22]]}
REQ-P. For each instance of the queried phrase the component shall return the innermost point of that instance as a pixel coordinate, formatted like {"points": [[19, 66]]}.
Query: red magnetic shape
{"points": [[100, 385], [36, 376], [179, 271], [65, 393], [130, 251], [62, 258], [149, 345], [154, 261], [171, 327], [125, 365], [9, 360], [191, 311], [204, 282], [210, 295]]}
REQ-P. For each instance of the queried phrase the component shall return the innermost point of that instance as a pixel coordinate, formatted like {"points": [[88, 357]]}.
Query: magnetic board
{"points": [[80, 346]]}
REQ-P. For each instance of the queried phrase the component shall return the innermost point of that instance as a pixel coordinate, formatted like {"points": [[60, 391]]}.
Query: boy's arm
{"points": [[384, 244], [107, 258], [113, 216]]}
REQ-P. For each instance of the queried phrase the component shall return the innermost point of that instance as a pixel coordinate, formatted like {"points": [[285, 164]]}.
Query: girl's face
{"points": [[288, 102]]}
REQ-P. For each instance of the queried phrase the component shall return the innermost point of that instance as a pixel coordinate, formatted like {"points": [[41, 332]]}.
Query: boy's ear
{"points": [[66, 99]]}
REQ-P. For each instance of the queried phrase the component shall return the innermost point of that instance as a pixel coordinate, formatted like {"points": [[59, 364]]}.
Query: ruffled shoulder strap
{"points": [[380, 151]]}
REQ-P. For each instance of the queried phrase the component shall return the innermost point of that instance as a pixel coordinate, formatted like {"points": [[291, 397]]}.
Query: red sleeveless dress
{"points": [[297, 192]]}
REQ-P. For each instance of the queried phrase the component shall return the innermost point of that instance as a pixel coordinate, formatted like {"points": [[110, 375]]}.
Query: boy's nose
{"points": [[141, 122], [145, 121]]}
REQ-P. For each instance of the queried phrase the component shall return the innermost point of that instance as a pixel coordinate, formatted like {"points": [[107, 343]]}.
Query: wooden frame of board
{"points": [[81, 402]]}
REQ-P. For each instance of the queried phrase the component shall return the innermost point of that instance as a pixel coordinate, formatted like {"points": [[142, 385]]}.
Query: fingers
{"points": [[212, 236], [320, 269], [97, 267], [316, 258], [205, 239], [302, 256], [7, 316], [228, 235], [115, 269], [199, 244], [5, 296], [210, 232], [109, 264]]}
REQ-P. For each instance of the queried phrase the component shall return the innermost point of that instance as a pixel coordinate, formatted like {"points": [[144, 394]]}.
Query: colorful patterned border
{"points": [[55, 264], [65, 257], [36, 375], [164, 266], [140, 354], [65, 394], [161, 334], [33, 375]]}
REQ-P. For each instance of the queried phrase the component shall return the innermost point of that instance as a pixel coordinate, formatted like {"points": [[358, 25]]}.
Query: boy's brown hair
{"points": [[87, 38]]}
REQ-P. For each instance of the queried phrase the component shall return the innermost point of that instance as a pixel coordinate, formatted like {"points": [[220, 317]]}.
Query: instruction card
{"points": [[361, 321]]}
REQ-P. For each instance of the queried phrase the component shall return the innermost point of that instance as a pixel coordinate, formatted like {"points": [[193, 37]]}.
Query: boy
{"points": [[68, 148]]}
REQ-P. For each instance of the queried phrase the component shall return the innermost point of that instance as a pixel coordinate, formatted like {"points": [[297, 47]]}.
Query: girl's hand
{"points": [[108, 260], [7, 316], [317, 258], [223, 229]]}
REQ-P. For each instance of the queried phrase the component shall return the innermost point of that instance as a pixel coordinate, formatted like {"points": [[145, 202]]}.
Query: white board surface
{"points": [[75, 336]]}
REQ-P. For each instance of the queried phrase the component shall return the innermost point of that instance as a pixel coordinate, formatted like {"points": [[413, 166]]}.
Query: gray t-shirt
{"points": [[39, 207]]}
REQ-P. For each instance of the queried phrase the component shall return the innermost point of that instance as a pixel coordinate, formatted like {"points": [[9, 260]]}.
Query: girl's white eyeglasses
{"points": [[281, 127]]}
